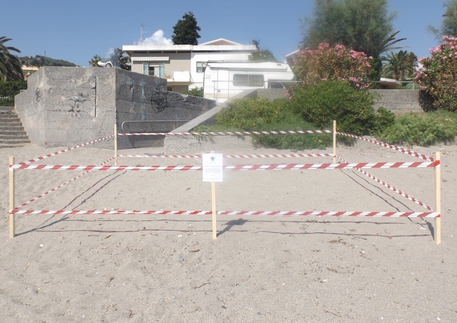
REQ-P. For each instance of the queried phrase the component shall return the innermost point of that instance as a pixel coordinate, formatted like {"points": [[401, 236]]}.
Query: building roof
{"points": [[249, 66], [216, 45], [220, 41]]}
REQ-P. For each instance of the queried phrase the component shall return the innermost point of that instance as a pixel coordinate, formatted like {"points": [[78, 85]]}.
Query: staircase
{"points": [[12, 133]]}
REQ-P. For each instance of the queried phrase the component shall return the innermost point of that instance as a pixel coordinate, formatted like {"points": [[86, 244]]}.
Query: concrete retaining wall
{"points": [[65, 106], [397, 101]]}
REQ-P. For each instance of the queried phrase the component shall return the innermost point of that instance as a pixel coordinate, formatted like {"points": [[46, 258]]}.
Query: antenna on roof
{"points": [[141, 33]]}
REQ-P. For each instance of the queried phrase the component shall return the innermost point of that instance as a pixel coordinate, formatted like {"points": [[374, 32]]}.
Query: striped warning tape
{"points": [[224, 133], [407, 196], [383, 144], [231, 156], [234, 213], [66, 150], [60, 186], [383, 165]]}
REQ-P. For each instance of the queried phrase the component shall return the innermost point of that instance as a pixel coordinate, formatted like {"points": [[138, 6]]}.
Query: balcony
{"points": [[180, 76]]}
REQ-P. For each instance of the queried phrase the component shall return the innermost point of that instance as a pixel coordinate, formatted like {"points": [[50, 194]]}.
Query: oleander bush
{"points": [[438, 75]]}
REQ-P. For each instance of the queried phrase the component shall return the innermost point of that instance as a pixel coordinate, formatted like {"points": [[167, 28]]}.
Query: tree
{"points": [[118, 59], [438, 77], [399, 64], [185, 32], [261, 55], [10, 65], [94, 61], [449, 23], [326, 63], [363, 25]]}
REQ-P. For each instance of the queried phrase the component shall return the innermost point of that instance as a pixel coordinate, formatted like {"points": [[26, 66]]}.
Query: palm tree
{"points": [[10, 65], [399, 64], [94, 61], [389, 42]]}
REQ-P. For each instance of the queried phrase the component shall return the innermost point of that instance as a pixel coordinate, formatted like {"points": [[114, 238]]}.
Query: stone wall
{"points": [[397, 101], [66, 106]]}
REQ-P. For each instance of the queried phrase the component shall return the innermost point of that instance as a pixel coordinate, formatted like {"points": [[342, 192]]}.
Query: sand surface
{"points": [[167, 268]]}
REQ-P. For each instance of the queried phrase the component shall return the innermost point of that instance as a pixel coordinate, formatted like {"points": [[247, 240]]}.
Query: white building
{"points": [[183, 66], [224, 80]]}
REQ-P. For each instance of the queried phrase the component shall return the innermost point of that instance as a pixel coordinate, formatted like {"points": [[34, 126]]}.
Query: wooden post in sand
{"points": [[115, 145], [213, 208], [213, 172], [11, 200], [437, 232], [334, 141]]}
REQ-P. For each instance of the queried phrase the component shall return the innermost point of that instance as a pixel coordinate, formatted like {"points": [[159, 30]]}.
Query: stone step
{"points": [[10, 120], [6, 109], [15, 142], [8, 128], [12, 136], [12, 145], [11, 125], [8, 115], [12, 132]]}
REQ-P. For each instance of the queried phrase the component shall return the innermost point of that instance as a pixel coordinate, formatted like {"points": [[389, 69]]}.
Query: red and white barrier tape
{"points": [[234, 213], [230, 156], [60, 186], [383, 165], [66, 150], [224, 133], [383, 144], [407, 196]]}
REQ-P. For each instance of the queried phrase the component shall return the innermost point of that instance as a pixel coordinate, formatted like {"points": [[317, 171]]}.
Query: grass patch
{"points": [[422, 129]]}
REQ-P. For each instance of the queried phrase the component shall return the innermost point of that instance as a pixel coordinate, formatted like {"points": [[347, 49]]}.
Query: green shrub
{"points": [[383, 119], [9, 89], [251, 114], [196, 91], [261, 114], [422, 129], [335, 100]]}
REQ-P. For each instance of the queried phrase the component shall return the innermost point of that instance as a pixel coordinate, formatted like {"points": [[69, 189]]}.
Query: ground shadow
{"points": [[231, 224]]}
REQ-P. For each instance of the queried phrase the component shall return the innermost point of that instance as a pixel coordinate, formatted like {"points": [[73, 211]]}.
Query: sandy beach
{"points": [[167, 268]]}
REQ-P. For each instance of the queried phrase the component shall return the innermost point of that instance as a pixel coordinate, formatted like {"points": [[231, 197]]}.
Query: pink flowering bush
{"points": [[438, 76], [332, 63]]}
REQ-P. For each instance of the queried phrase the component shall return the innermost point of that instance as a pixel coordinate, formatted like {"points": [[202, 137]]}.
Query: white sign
{"points": [[212, 167]]}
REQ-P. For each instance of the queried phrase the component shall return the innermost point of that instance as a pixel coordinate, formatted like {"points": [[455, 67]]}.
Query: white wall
{"points": [[205, 56]]}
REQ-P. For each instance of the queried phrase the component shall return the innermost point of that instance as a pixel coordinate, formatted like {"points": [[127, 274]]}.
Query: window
{"points": [[201, 67], [145, 68], [154, 69], [248, 80]]}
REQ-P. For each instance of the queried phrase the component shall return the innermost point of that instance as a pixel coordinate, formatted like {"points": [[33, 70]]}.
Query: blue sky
{"points": [[76, 31]]}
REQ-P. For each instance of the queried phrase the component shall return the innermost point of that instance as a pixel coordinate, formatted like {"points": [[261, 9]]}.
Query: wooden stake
{"points": [[213, 207], [334, 141], [115, 145], [11, 200], [438, 198]]}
